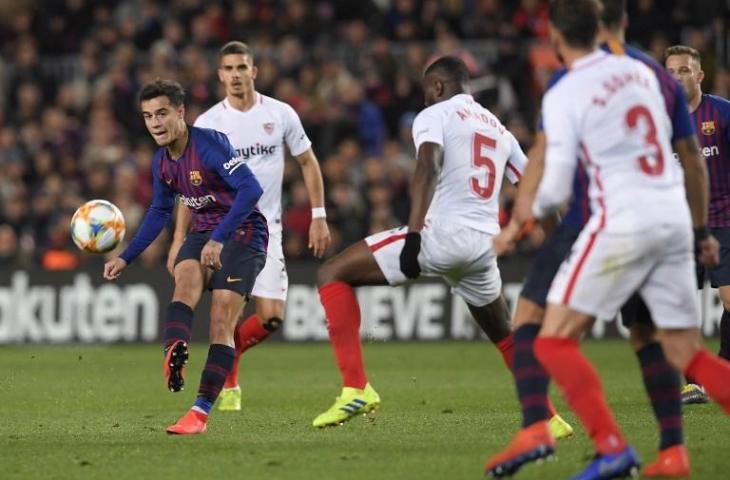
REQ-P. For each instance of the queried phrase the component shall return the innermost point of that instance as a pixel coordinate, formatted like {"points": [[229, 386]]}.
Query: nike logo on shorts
{"points": [[232, 279]]}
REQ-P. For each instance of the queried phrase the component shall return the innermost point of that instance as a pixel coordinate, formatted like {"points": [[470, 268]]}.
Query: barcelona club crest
{"points": [[195, 177], [708, 128], [269, 127]]}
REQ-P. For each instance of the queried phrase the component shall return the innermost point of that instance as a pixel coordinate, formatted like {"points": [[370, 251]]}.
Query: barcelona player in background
{"points": [[224, 251], [711, 115]]}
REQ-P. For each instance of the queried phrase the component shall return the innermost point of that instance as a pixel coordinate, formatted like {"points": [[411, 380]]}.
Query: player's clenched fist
{"points": [[113, 268]]}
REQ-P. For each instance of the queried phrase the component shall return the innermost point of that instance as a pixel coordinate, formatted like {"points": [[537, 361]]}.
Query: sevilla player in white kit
{"points": [[463, 154], [609, 112], [259, 129]]}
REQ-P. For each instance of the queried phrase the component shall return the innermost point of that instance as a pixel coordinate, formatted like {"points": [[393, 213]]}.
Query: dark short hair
{"points": [[163, 88], [614, 13], [682, 50], [450, 67], [235, 48], [576, 20]]}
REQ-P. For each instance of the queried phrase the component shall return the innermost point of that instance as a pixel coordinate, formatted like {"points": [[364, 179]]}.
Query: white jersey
{"points": [[478, 152], [258, 136], [608, 112]]}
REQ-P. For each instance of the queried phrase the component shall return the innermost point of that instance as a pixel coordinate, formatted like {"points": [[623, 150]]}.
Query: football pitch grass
{"points": [[101, 412]]}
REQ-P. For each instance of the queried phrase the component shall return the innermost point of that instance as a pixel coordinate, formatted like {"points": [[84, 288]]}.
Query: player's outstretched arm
{"points": [[183, 217], [422, 187], [319, 233], [698, 196], [163, 203]]}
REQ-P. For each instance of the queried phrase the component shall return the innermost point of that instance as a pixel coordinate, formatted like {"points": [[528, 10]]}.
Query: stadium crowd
{"points": [[70, 70]]}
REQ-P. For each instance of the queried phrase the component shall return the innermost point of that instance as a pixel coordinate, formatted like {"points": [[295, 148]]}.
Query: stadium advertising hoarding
{"points": [[66, 307]]}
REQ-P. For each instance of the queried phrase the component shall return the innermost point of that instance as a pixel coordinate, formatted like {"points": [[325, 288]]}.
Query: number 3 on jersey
{"points": [[481, 186], [633, 116]]}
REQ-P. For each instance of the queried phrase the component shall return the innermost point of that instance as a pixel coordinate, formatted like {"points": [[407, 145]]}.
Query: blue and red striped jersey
{"points": [[712, 120], [217, 186], [579, 210]]}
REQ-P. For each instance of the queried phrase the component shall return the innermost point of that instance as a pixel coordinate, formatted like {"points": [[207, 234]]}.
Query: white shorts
{"points": [[462, 256], [273, 282], [604, 269]]}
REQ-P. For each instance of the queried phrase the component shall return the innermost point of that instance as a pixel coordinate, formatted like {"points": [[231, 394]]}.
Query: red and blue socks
{"points": [[531, 378], [248, 334], [178, 323], [582, 389], [217, 366], [343, 324], [662, 384], [712, 373]]}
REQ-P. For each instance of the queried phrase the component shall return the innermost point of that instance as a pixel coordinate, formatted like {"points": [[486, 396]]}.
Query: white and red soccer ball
{"points": [[97, 226]]}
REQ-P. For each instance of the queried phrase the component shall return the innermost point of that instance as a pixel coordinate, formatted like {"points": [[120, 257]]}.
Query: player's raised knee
{"points": [[328, 272]]}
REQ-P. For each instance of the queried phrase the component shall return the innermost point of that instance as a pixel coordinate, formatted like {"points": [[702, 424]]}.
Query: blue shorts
{"points": [[241, 264], [719, 275], [635, 312], [547, 262]]}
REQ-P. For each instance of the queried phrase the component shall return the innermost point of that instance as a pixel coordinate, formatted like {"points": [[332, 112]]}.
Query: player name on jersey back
{"points": [[609, 112]]}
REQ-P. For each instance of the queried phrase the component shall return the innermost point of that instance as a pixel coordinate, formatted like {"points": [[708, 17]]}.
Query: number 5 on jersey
{"points": [[481, 186]]}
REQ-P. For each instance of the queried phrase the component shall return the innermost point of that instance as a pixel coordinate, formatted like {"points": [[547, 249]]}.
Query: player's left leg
{"points": [[353, 267], [231, 286], [662, 383], [557, 348], [250, 332]]}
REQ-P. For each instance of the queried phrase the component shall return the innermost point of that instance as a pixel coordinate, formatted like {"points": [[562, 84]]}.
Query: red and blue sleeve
{"points": [[163, 203], [220, 157], [682, 125]]}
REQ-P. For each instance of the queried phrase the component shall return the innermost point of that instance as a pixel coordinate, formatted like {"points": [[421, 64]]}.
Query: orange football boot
{"points": [[189, 424], [673, 462], [530, 444], [176, 356]]}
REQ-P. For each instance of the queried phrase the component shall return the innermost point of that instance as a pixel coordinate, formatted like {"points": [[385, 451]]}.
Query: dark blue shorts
{"points": [[241, 264], [546, 263], [635, 312], [719, 275]]}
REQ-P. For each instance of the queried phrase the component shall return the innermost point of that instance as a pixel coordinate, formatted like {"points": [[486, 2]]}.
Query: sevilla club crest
{"points": [[708, 128], [269, 127], [195, 177]]}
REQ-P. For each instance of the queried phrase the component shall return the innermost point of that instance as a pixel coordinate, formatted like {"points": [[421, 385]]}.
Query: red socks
{"points": [[248, 334], [582, 389], [505, 348], [343, 323], [712, 373]]}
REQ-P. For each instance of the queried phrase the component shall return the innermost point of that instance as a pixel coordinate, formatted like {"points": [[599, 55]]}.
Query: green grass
{"points": [[101, 412]]}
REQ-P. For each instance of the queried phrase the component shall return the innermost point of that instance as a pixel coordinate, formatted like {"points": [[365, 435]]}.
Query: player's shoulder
{"points": [[720, 103], [211, 115], [208, 138], [271, 103]]}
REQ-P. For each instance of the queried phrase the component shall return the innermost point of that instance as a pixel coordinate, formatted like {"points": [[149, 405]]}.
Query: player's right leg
{"points": [[662, 383], [531, 379], [355, 266], [177, 331], [669, 293], [269, 292]]}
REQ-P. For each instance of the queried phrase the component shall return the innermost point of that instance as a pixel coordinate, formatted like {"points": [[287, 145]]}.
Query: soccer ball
{"points": [[97, 226]]}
